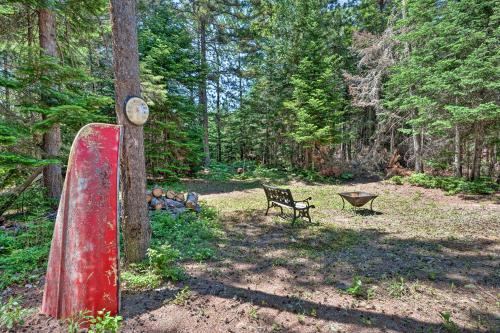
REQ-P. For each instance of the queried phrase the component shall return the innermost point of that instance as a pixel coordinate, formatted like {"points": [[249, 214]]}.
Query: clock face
{"points": [[137, 111]]}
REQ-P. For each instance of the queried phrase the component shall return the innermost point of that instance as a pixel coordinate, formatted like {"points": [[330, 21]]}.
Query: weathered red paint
{"points": [[82, 273]]}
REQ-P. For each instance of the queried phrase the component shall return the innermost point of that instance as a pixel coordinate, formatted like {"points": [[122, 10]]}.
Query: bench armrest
{"points": [[306, 200]]}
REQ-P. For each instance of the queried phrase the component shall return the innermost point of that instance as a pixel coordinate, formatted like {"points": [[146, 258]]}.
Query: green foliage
{"points": [[189, 237], [454, 185], [360, 290], [346, 176], [174, 240], [225, 172], [448, 324], [397, 180], [12, 314], [138, 279], [69, 105], [253, 314], [167, 55], [24, 253], [398, 288], [447, 69], [104, 322], [182, 296], [162, 261]]}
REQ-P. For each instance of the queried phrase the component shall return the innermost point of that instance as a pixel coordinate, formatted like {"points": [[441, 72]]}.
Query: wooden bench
{"points": [[279, 197]]}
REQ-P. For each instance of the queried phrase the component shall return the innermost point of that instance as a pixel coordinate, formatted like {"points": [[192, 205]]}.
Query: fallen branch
{"points": [[11, 197]]}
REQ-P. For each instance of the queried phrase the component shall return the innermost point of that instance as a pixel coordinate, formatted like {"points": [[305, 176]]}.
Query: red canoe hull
{"points": [[82, 273]]}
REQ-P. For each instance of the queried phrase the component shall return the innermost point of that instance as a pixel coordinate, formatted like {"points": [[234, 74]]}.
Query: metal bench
{"points": [[279, 197]]}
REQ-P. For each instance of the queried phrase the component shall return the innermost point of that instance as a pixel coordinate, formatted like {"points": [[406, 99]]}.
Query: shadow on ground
{"points": [[325, 258]]}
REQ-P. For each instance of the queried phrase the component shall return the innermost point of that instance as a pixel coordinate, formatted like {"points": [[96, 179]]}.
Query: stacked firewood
{"points": [[173, 202]]}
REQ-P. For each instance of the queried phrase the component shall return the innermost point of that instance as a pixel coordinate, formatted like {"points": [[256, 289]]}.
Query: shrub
{"points": [[396, 180], [24, 252], [12, 314], [453, 185], [346, 175], [175, 239], [142, 279], [104, 322], [189, 234]]}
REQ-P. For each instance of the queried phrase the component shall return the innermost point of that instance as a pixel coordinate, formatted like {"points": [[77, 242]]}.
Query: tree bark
{"points": [[218, 120], [52, 177], [458, 153], [203, 87], [136, 227], [467, 159], [6, 74], [417, 150], [478, 145], [493, 161], [392, 143]]}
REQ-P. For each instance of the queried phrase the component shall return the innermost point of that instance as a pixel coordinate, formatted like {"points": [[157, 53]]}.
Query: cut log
{"points": [[180, 197], [157, 192], [157, 203], [192, 200], [171, 194], [173, 203], [149, 196]]}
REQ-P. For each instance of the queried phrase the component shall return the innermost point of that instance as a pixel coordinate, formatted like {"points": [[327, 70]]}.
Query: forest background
{"points": [[323, 88]]}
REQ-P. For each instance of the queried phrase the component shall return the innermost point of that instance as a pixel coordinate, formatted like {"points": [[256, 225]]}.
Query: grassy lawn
{"points": [[427, 259]]}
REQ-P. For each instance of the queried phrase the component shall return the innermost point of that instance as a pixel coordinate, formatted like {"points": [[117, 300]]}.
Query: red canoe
{"points": [[82, 273]]}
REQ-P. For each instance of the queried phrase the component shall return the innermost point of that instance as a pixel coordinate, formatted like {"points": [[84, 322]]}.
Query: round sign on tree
{"points": [[137, 111]]}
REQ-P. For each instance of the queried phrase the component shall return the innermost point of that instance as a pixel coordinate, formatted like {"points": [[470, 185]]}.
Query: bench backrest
{"points": [[279, 195]]}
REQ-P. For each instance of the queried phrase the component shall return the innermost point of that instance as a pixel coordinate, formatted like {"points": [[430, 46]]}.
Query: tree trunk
{"points": [[6, 74], [493, 161], [203, 88], [458, 153], [136, 227], [349, 150], [52, 177], [467, 159], [478, 145], [392, 144], [417, 150], [218, 121]]}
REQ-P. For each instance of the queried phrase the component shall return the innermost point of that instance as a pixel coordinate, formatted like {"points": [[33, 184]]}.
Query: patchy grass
{"points": [[419, 257], [417, 253]]}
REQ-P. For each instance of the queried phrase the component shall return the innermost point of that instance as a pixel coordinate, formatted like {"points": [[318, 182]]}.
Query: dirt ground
{"points": [[421, 253]]}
